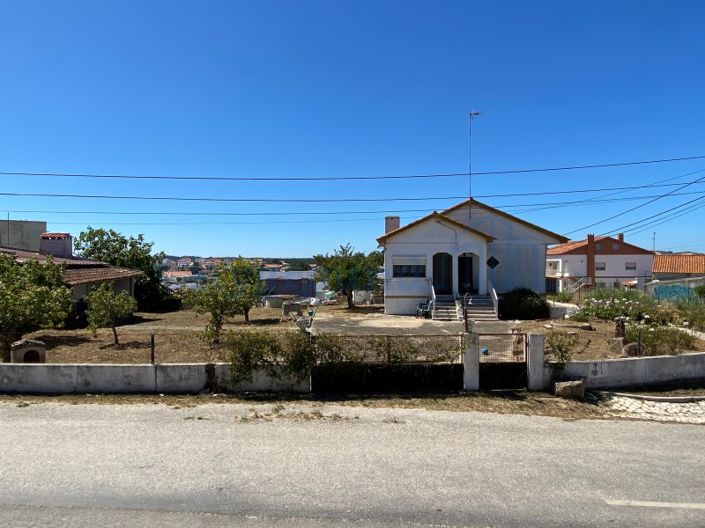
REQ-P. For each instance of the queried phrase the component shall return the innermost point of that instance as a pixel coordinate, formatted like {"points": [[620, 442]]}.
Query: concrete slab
{"points": [[380, 324]]}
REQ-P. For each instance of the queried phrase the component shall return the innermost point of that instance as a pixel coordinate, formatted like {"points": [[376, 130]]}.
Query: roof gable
{"points": [[437, 216], [474, 203]]}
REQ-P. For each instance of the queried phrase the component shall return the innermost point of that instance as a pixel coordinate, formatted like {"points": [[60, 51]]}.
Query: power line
{"points": [[650, 217], [532, 207], [665, 219], [347, 178], [645, 203], [324, 200]]}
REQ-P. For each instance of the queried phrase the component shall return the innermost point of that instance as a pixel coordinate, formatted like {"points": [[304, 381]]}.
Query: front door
{"points": [[465, 284], [443, 274]]}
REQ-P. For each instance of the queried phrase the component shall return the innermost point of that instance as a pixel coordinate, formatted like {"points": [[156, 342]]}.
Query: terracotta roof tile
{"points": [[579, 247], [679, 264], [56, 236], [72, 277]]}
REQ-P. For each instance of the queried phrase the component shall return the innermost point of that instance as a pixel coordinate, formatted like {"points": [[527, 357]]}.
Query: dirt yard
{"points": [[592, 344], [177, 336]]}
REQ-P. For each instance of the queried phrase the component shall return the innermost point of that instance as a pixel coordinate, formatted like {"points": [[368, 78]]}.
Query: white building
{"points": [[604, 262], [469, 248]]}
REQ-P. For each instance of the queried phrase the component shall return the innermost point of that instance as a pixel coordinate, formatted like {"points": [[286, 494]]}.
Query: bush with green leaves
{"points": [[524, 304], [659, 340], [32, 295], [559, 349], [235, 290], [106, 307], [347, 270], [692, 311], [564, 296], [608, 305]]}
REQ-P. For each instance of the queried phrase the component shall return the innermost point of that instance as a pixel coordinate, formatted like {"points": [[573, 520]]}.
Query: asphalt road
{"points": [[223, 465]]}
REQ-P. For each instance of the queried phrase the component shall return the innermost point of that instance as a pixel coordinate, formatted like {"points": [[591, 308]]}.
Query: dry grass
{"points": [[265, 407], [177, 336]]}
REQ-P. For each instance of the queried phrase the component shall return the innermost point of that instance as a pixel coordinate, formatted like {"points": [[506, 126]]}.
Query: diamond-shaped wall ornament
{"points": [[492, 262]]}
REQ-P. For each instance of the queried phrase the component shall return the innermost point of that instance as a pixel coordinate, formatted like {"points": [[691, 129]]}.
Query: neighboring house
{"points": [[21, 234], [679, 266], [602, 261], [176, 276], [80, 274], [184, 263], [469, 248], [298, 283]]}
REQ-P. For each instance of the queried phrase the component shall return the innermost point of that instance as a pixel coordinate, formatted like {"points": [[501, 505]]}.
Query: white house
{"points": [[598, 261], [469, 248]]}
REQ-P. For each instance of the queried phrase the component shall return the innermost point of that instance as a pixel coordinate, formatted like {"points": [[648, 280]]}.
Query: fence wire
{"points": [[502, 348]]}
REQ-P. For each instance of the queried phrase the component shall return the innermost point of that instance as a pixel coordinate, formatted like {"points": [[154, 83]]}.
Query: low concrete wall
{"points": [[614, 373], [172, 378], [562, 310]]}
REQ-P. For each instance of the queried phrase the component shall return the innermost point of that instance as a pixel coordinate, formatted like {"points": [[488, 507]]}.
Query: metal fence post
{"points": [[151, 348]]}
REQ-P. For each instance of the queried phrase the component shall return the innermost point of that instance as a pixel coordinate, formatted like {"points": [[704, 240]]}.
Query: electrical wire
{"points": [[348, 178]]}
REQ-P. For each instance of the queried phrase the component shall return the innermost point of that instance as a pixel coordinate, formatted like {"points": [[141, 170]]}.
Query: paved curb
{"points": [[670, 399]]}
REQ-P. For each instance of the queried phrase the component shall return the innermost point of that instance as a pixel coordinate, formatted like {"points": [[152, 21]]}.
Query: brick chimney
{"points": [[56, 244], [590, 257], [391, 223], [620, 237]]}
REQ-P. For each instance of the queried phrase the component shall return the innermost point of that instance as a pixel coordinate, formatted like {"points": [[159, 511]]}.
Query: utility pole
{"points": [[472, 114], [654, 244]]}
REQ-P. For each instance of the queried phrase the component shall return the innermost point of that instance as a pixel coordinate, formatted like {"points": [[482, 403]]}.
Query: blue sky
{"points": [[332, 89]]}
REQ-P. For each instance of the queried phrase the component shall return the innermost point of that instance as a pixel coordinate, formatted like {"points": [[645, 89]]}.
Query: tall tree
{"points": [[32, 295], [347, 270], [106, 307], [235, 290], [135, 253]]}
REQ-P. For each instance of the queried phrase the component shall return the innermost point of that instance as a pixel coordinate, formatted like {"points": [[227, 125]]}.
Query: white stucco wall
{"points": [[576, 266], [520, 249], [403, 294]]}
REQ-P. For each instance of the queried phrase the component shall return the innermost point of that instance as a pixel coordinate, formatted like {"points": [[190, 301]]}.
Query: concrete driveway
{"points": [[380, 324]]}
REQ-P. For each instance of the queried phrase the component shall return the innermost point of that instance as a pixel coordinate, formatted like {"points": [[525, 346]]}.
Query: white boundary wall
{"points": [[52, 378], [627, 372]]}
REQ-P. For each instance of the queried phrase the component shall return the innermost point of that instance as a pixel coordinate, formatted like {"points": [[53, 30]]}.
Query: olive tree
{"points": [[234, 291], [32, 296], [106, 307], [347, 270]]}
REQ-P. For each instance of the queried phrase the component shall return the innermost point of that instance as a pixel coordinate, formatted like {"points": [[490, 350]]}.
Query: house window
{"points": [[615, 247], [598, 247], [630, 265], [409, 266], [599, 266]]}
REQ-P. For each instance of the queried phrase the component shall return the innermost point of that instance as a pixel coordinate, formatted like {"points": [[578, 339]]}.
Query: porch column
{"points": [[482, 271], [454, 273]]}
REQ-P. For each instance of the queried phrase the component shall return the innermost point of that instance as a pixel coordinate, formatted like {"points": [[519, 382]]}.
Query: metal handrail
{"points": [[432, 304], [495, 301]]}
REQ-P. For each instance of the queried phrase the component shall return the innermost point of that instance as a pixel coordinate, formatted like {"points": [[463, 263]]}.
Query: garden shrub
{"points": [[523, 303], [607, 305], [564, 297], [659, 340], [559, 349], [692, 310]]}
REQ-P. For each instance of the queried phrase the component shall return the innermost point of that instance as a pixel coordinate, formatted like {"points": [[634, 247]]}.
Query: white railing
{"points": [[575, 286], [432, 304], [495, 301]]}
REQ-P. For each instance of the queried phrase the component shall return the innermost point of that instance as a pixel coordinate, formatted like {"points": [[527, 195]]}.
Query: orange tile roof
{"points": [[56, 236], [575, 247], [679, 264]]}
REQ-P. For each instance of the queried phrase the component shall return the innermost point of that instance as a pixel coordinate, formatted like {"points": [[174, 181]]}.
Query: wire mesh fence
{"points": [[502, 348]]}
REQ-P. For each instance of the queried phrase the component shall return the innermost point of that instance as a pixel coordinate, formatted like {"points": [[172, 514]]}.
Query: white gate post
{"points": [[536, 371], [471, 363]]}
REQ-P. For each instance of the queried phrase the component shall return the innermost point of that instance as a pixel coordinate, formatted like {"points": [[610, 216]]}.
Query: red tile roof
{"points": [[72, 277], [579, 247], [691, 264], [78, 270], [56, 236]]}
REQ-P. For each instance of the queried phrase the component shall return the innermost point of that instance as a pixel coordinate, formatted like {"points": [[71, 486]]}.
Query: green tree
{"points": [[347, 270], [135, 253], [106, 308], [234, 291], [32, 295]]}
